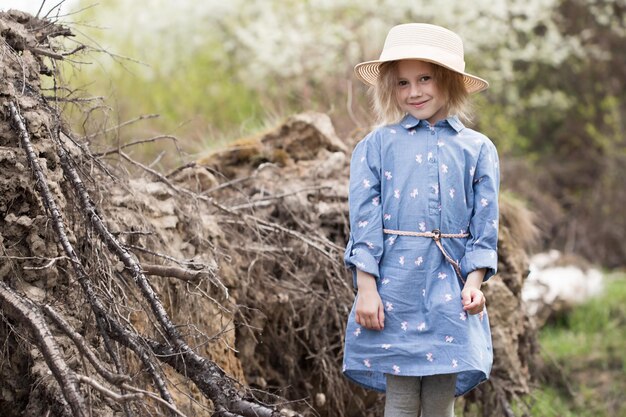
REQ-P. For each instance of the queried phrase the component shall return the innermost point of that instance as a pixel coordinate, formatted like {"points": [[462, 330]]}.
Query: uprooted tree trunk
{"points": [[217, 288], [36, 144]]}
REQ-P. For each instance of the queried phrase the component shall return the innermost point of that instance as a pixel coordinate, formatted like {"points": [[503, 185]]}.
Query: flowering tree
{"points": [[556, 69]]}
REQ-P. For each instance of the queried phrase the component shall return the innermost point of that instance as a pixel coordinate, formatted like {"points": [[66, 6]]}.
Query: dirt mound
{"points": [[218, 288]]}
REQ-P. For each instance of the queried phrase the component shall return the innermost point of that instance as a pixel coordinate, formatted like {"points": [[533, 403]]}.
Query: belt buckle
{"points": [[436, 234]]}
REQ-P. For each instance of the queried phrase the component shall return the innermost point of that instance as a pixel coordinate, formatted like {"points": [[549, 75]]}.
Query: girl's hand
{"points": [[473, 300], [369, 306], [370, 312], [472, 297]]}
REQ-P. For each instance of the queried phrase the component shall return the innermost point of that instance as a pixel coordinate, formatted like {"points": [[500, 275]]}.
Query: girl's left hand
{"points": [[473, 300]]}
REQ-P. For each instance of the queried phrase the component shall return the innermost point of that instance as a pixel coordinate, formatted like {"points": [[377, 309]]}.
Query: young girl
{"points": [[424, 229]]}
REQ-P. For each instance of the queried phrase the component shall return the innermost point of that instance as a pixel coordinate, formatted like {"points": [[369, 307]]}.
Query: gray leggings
{"points": [[407, 395]]}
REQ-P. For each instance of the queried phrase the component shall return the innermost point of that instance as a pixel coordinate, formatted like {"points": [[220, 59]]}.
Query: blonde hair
{"points": [[385, 103]]}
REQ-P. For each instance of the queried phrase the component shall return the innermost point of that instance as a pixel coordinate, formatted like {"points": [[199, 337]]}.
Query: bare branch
{"points": [[108, 393], [48, 53], [123, 124], [267, 224], [73, 51], [24, 311], [83, 348], [75, 99], [102, 318], [50, 263], [186, 264], [266, 200], [207, 375], [174, 272], [191, 164], [130, 262], [137, 142], [152, 396]]}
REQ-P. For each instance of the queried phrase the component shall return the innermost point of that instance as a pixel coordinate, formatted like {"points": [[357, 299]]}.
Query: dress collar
{"points": [[410, 122]]}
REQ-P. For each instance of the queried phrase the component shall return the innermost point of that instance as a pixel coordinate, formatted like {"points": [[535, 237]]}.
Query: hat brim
{"points": [[368, 73]]}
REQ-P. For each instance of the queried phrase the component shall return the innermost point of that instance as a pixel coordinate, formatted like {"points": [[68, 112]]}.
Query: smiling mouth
{"points": [[418, 105]]}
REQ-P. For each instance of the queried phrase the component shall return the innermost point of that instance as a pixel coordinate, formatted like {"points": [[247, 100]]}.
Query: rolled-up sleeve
{"points": [[481, 247], [365, 245]]}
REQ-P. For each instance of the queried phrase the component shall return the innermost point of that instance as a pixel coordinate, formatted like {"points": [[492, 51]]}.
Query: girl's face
{"points": [[417, 91]]}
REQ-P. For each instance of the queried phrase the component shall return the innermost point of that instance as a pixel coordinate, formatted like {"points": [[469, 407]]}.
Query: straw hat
{"points": [[424, 42]]}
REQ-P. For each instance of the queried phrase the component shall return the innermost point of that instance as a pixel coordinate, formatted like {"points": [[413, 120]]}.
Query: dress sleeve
{"points": [[481, 247], [365, 245]]}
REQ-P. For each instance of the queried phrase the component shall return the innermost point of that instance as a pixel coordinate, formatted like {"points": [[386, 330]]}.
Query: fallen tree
{"points": [[38, 144], [217, 288]]}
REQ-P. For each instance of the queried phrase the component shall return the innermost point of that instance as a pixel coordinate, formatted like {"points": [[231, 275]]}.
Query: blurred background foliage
{"points": [[218, 70]]}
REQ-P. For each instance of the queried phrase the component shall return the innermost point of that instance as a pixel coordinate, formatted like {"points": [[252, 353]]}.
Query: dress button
{"points": [[432, 132]]}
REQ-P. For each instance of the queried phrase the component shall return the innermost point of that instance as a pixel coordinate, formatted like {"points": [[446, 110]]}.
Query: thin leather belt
{"points": [[435, 235]]}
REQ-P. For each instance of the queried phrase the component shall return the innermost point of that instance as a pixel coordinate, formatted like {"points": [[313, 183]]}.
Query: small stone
{"points": [[24, 221]]}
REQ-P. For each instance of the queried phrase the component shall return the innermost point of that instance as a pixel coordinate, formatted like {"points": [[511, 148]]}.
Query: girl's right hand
{"points": [[370, 312]]}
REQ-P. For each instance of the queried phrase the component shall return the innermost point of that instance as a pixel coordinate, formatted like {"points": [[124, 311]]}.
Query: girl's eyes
{"points": [[422, 80]]}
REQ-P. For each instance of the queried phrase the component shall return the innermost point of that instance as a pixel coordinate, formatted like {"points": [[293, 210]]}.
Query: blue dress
{"points": [[415, 177]]}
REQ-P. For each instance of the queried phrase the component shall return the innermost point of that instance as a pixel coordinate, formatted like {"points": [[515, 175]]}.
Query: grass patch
{"points": [[585, 357]]}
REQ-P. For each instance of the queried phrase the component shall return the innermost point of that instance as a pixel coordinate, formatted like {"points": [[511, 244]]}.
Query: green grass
{"points": [[585, 357]]}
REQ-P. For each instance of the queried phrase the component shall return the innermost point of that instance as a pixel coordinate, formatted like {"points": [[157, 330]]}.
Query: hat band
{"points": [[426, 53]]}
